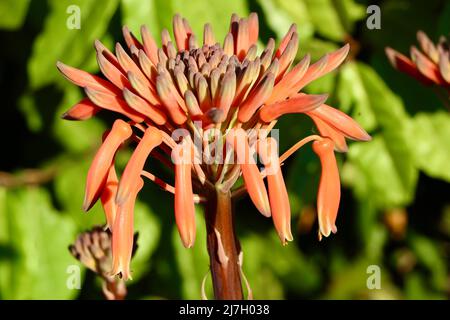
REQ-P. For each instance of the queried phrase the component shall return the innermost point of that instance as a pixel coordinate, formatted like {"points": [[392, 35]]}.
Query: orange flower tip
{"points": [[86, 205], [265, 210], [286, 238]]}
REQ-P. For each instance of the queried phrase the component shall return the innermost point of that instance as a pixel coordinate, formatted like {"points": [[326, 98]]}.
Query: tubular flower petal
{"points": [[108, 196], [328, 131], [404, 64], [329, 187], [143, 107], [260, 95], [84, 79], [98, 171], [278, 195], [300, 103], [325, 65], [252, 177], [216, 95], [83, 110], [123, 233], [426, 66], [342, 122], [151, 139], [113, 103], [184, 196], [284, 87]]}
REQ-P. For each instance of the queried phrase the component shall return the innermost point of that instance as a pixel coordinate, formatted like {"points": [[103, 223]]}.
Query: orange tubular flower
{"points": [[329, 187], [184, 197], [122, 234], [216, 97], [278, 195]]}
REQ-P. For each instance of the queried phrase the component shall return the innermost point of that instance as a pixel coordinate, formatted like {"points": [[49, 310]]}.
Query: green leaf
{"points": [[429, 134], [158, 15], [353, 97], [388, 155], [27, 105], [371, 171], [69, 187], [76, 136], [193, 263], [326, 19], [148, 226], [12, 13], [349, 12], [279, 15], [350, 282], [431, 256], [38, 237], [217, 12], [260, 274], [71, 46]]}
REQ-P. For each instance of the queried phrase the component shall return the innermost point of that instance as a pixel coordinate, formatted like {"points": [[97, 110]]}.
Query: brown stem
{"points": [[223, 246]]}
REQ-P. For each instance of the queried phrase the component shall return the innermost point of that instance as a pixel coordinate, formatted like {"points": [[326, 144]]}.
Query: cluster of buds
{"points": [[187, 103], [93, 249], [431, 66]]}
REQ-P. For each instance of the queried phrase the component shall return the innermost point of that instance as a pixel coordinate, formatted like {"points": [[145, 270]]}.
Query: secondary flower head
{"points": [[431, 66], [205, 110]]}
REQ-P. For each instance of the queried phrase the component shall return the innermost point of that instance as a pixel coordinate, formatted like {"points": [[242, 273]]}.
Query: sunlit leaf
{"points": [[325, 19], [429, 141], [72, 46], [38, 237], [389, 154], [193, 263]]}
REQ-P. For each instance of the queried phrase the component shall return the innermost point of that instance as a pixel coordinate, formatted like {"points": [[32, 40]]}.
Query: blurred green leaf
{"points": [[280, 14], [12, 13], [27, 105], [317, 48], [260, 274], [353, 97], [349, 12], [148, 226], [158, 15], [39, 236], [137, 12], [297, 273], [76, 136], [389, 153], [71, 46], [193, 263], [429, 135], [428, 253], [69, 187], [326, 19], [350, 282]]}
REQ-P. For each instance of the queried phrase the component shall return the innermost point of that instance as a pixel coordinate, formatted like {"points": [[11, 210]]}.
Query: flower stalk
{"points": [[223, 246]]}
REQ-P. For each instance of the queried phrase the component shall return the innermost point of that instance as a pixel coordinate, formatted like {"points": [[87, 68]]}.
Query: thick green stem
{"points": [[223, 247]]}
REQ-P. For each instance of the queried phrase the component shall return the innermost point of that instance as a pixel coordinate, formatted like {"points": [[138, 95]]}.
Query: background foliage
{"points": [[395, 210]]}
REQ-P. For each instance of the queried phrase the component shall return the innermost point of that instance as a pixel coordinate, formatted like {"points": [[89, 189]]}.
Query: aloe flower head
{"points": [[430, 64], [205, 108]]}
